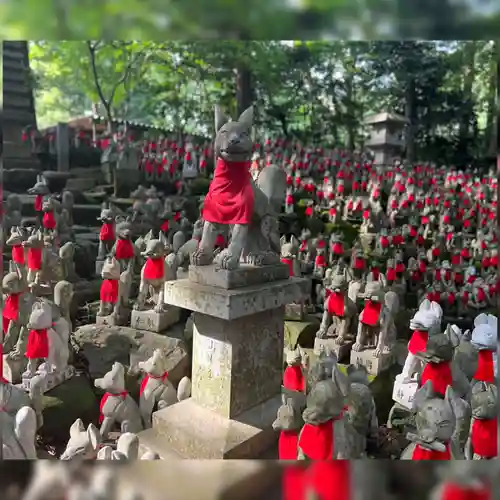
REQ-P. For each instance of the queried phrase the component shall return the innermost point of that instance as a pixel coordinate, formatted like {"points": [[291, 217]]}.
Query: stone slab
{"points": [[237, 364], [342, 351], [155, 321], [237, 303], [372, 364], [200, 479], [103, 345], [114, 320], [404, 393], [47, 381], [194, 432], [295, 312], [245, 275]]}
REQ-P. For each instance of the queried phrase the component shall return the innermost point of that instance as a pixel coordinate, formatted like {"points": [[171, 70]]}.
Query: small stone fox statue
{"points": [[361, 407], [326, 432], [156, 389], [230, 199], [107, 232], [322, 369], [289, 422], [116, 405], [293, 378], [115, 289], [83, 444], [435, 421], [483, 435]]}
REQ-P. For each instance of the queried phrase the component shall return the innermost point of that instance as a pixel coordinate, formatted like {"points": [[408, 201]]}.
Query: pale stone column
{"points": [[237, 363]]}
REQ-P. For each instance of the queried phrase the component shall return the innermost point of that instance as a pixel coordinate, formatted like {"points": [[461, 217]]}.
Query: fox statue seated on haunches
{"points": [[234, 199]]}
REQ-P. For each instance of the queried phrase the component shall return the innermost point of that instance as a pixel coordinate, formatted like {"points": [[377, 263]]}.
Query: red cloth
{"points": [[18, 256], [375, 272], [457, 492], [436, 252], [105, 398], [230, 196], [400, 267], [38, 344], [287, 445], [164, 226], [107, 232], [289, 263], [359, 263], [124, 249], [309, 211], [336, 304], [485, 263], [109, 291], [145, 380], [439, 374], [49, 221], [484, 437], [316, 441], [465, 253], [338, 248], [35, 259], [485, 369], [391, 274], [420, 453], [320, 261], [371, 313], [154, 268], [384, 242], [293, 378], [38, 202], [220, 241], [330, 480], [418, 341], [289, 199], [294, 484], [10, 310]]}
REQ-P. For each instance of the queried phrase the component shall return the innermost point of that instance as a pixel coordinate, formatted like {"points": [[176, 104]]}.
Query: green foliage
{"points": [[310, 91], [199, 186]]}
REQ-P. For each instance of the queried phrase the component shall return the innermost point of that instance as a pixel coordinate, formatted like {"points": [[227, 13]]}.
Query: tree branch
{"points": [[92, 47]]}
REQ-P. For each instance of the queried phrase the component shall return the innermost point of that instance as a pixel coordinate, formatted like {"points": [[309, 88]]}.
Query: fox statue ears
{"points": [[221, 118]]}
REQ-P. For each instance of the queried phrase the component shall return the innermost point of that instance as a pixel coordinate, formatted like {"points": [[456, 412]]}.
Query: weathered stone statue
{"points": [[289, 422], [114, 304], [435, 423], [156, 389], [83, 443], [327, 433], [483, 434], [18, 434], [230, 200], [117, 407]]}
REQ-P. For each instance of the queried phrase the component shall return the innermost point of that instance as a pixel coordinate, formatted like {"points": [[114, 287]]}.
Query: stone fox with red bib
{"points": [[230, 199]]}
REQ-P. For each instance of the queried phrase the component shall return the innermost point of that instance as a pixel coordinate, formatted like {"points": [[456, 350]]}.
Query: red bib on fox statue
{"points": [[230, 196]]}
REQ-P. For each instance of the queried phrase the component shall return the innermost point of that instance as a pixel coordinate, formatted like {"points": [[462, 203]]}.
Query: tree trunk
{"points": [[244, 90], [491, 130], [469, 69], [410, 111], [351, 126]]}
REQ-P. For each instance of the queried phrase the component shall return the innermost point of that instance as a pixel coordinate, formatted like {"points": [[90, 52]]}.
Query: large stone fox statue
{"points": [[234, 199]]}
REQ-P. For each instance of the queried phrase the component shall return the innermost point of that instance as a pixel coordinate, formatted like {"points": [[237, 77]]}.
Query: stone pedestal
{"points": [[342, 351], [404, 393], [113, 320], [47, 381], [374, 365], [237, 363], [295, 312], [98, 267], [155, 321], [13, 370]]}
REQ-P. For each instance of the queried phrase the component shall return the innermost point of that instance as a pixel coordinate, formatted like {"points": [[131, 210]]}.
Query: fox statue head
{"points": [[233, 139]]}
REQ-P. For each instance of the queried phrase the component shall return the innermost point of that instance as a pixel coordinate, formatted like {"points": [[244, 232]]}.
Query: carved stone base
{"points": [[114, 320], [372, 364], [342, 351], [186, 430], [295, 312], [98, 267], [155, 321], [13, 370], [404, 394], [245, 275], [47, 381]]}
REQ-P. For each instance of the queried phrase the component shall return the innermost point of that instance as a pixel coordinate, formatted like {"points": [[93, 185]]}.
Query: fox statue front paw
{"points": [[227, 260], [201, 257]]}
